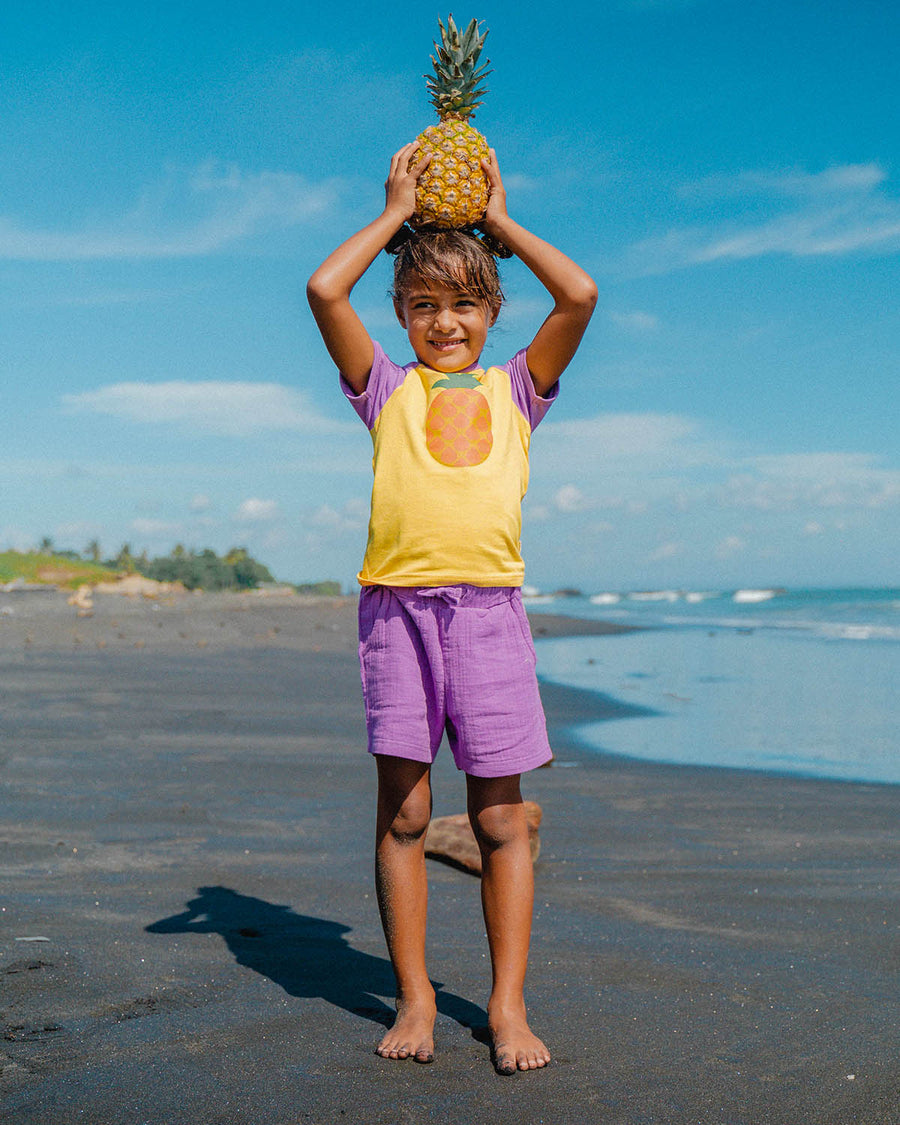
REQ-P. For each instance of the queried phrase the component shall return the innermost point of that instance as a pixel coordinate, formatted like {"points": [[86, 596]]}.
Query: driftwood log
{"points": [[451, 839]]}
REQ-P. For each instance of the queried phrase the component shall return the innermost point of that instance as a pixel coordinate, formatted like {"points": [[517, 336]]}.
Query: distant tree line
{"points": [[205, 570], [196, 570]]}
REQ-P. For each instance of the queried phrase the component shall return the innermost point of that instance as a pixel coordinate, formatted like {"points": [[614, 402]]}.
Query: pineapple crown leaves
{"points": [[454, 85]]}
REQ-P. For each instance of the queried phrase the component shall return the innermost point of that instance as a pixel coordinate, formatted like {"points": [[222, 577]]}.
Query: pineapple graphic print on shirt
{"points": [[458, 422], [450, 461]]}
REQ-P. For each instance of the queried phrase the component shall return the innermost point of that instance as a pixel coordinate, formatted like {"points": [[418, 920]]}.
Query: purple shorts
{"points": [[454, 658]]}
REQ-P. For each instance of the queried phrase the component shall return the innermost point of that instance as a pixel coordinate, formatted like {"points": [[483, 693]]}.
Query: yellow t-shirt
{"points": [[451, 469]]}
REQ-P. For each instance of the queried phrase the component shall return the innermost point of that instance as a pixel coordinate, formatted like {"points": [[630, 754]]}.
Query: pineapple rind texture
{"points": [[452, 191]]}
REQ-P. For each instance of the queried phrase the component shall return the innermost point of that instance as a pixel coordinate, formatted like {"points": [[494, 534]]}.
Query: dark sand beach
{"points": [[186, 821]]}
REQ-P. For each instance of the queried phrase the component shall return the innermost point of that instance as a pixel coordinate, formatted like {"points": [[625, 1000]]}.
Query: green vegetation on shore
{"points": [[195, 570], [205, 570], [53, 569]]}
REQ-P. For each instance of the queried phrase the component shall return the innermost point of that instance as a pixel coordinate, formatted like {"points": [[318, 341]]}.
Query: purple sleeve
{"points": [[384, 378], [532, 405]]}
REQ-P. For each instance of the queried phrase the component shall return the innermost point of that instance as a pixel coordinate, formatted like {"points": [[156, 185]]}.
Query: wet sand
{"points": [[185, 816]]}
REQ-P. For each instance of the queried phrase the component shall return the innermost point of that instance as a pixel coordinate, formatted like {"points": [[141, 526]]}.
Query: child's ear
{"points": [[495, 312], [398, 309]]}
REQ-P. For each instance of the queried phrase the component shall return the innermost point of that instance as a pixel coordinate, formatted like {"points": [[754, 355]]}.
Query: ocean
{"points": [[793, 681]]}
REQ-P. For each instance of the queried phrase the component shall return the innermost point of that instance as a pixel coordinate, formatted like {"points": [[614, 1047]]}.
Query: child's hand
{"points": [[400, 186], [496, 206]]}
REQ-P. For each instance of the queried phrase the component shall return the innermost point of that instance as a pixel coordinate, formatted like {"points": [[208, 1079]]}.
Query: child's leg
{"points": [[497, 814], [404, 810]]}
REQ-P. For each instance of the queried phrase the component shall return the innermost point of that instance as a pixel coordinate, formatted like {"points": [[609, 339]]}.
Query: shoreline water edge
{"points": [[797, 682]]}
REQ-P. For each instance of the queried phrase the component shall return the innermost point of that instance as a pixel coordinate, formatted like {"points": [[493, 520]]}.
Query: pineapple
{"points": [[452, 191], [458, 422]]}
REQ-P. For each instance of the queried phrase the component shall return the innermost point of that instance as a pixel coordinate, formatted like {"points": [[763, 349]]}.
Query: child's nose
{"points": [[444, 318]]}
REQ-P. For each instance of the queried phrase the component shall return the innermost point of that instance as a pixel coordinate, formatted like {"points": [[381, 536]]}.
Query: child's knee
{"points": [[404, 799], [496, 826], [408, 822], [409, 828]]}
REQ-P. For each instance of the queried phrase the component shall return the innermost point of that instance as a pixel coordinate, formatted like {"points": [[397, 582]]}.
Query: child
{"points": [[444, 641]]}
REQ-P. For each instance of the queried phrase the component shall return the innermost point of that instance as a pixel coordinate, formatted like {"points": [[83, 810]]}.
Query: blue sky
{"points": [[170, 175]]}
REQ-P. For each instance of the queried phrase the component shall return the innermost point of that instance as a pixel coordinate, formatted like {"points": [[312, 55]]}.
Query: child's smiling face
{"points": [[446, 327]]}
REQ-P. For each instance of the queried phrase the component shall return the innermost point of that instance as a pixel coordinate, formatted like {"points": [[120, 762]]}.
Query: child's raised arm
{"points": [[329, 288], [573, 291]]}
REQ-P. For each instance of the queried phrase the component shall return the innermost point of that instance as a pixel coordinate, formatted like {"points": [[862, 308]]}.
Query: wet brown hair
{"points": [[453, 258]]}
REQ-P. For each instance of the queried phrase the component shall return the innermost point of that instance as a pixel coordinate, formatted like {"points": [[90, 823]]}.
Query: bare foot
{"points": [[514, 1044], [412, 1036]]}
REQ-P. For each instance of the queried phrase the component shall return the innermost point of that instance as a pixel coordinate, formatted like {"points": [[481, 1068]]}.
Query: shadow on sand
{"points": [[306, 956]]}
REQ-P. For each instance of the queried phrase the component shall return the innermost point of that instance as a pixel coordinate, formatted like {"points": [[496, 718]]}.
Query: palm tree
{"points": [[125, 559]]}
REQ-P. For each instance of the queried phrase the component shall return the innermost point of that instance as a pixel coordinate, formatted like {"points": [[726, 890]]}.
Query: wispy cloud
{"points": [[569, 498], [631, 463], [836, 211], [155, 528], [649, 438], [815, 480], [626, 462], [15, 538], [729, 546], [255, 510], [214, 407], [635, 321], [668, 550], [215, 204], [352, 516], [840, 179]]}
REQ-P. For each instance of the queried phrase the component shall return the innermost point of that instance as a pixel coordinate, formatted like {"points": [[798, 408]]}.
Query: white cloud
{"points": [[569, 499], [631, 464], [608, 437], [215, 407], [519, 182], [216, 205], [732, 545], [623, 459], [666, 551], [818, 467], [76, 532], [353, 515], [255, 510], [16, 539], [835, 230], [638, 465], [820, 480], [836, 211], [154, 528], [357, 510], [200, 503], [635, 321], [524, 309], [837, 180]]}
